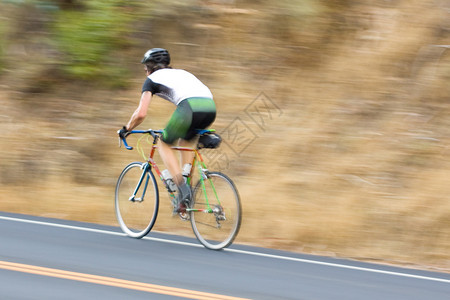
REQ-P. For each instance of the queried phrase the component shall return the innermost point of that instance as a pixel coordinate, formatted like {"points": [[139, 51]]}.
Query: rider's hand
{"points": [[123, 132]]}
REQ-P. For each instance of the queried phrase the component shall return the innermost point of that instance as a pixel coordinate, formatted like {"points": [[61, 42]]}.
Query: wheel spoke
{"points": [[206, 224]]}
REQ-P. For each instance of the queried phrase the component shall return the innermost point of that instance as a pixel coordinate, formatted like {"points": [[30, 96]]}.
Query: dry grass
{"points": [[352, 161]]}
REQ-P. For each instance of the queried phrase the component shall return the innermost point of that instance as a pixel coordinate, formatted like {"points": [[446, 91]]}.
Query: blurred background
{"points": [[335, 114]]}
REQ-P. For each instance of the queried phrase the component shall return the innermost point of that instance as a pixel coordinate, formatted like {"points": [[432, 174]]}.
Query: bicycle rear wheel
{"points": [[137, 200], [216, 211]]}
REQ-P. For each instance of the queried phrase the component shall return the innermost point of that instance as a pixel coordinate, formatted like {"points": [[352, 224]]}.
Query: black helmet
{"points": [[156, 55]]}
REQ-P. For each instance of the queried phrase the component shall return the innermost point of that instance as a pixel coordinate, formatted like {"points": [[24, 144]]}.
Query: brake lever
{"points": [[120, 139]]}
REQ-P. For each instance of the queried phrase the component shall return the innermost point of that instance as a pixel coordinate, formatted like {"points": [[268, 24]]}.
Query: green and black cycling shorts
{"points": [[190, 114]]}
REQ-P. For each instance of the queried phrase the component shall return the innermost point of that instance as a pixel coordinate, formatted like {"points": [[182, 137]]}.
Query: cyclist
{"points": [[195, 109]]}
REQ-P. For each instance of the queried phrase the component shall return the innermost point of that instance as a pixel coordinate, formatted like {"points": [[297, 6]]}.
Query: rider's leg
{"points": [[171, 162], [187, 156]]}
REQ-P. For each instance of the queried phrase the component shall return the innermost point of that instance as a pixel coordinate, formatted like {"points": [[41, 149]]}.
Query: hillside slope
{"points": [[335, 119]]}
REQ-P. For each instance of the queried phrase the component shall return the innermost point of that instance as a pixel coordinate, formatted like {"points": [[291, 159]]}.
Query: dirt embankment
{"points": [[335, 119]]}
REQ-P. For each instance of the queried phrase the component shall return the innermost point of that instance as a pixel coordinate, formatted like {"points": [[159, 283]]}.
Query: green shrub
{"points": [[87, 38]]}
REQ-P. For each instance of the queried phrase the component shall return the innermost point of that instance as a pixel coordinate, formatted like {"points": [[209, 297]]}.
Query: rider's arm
{"points": [[141, 112]]}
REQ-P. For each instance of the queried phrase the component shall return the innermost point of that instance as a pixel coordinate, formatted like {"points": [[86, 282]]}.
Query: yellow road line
{"points": [[115, 282]]}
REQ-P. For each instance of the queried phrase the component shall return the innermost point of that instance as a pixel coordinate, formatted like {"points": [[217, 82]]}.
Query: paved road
{"points": [[56, 259]]}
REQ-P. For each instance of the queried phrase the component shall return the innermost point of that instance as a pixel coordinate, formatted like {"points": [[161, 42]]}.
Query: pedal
{"points": [[184, 215]]}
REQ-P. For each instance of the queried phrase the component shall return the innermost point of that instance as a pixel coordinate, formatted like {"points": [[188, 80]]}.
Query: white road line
{"points": [[96, 231], [339, 265], [308, 261]]}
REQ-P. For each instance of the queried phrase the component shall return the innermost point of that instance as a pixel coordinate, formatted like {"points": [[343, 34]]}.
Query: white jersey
{"points": [[175, 85]]}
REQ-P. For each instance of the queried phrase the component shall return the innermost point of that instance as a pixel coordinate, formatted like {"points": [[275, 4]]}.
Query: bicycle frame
{"points": [[197, 162]]}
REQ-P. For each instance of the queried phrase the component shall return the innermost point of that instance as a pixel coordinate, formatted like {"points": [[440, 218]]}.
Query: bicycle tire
{"points": [[210, 231], [136, 218]]}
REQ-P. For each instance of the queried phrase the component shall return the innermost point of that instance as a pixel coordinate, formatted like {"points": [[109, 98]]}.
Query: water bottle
{"points": [[168, 179], [187, 170]]}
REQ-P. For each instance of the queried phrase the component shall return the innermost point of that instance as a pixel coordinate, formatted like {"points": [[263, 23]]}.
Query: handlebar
{"points": [[154, 133]]}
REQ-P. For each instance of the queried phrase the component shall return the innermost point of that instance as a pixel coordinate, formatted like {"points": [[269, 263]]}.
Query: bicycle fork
{"points": [[145, 167]]}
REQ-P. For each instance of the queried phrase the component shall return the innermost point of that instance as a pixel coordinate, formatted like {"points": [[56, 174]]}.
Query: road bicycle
{"points": [[214, 210]]}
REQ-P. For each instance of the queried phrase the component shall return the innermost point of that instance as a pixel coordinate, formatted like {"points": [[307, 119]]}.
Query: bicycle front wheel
{"points": [[216, 211], [137, 200]]}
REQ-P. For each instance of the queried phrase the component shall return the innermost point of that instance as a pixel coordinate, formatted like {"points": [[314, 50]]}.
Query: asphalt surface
{"points": [[55, 259]]}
